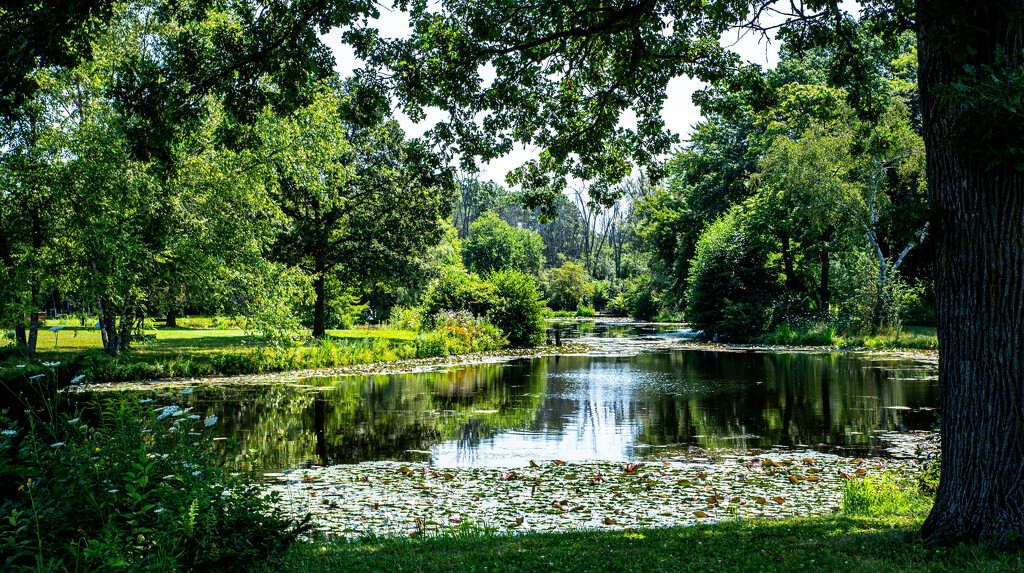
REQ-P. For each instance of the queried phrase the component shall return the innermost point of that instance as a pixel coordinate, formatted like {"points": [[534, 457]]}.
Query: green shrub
{"points": [[642, 304], [459, 332], [519, 308], [585, 311], [124, 485], [406, 318], [567, 286], [884, 494], [729, 287], [456, 290]]}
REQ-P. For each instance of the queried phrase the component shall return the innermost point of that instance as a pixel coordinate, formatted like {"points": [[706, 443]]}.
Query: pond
{"points": [[625, 404]]}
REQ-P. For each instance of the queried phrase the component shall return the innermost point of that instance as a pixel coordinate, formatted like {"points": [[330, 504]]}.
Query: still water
{"points": [[652, 405]]}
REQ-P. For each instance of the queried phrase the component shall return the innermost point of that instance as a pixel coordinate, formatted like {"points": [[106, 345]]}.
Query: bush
{"points": [[456, 290], [123, 485], [406, 318], [642, 303], [567, 286], [729, 287], [519, 308], [459, 332]]}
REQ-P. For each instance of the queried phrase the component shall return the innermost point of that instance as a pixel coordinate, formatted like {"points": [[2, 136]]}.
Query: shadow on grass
{"points": [[860, 544]]}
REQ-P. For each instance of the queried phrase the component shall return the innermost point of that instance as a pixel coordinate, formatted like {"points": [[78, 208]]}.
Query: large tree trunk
{"points": [[172, 316], [979, 207], [319, 318]]}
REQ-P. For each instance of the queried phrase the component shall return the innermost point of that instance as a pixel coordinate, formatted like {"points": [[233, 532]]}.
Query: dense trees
{"points": [[131, 122], [566, 73]]}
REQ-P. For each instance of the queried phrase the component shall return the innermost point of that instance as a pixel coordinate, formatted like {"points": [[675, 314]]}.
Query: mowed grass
{"points": [[195, 342], [840, 543]]}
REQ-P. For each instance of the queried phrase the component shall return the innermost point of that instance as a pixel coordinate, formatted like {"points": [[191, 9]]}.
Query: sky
{"points": [[680, 114]]}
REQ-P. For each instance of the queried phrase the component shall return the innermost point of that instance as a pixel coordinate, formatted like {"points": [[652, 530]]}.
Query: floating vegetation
{"points": [[391, 498]]}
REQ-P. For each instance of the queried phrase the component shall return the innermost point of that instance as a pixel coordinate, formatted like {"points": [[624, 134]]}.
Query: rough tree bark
{"points": [[979, 216]]}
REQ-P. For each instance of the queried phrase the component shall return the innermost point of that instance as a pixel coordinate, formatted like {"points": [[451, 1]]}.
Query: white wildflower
{"points": [[78, 379], [56, 444], [73, 420], [186, 391], [21, 366], [194, 417], [145, 401], [9, 432], [51, 364], [168, 411], [115, 490], [210, 420], [36, 376]]}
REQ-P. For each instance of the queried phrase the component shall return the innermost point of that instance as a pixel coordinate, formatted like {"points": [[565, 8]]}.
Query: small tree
{"points": [[567, 285]]}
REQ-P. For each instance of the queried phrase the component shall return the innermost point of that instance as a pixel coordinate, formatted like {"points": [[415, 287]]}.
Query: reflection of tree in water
{"points": [[714, 399], [353, 419], [726, 399]]}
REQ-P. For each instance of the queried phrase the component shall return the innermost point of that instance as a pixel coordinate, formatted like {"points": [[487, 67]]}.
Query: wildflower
{"points": [[36, 376], [56, 444], [115, 490], [194, 417], [145, 401], [9, 432], [51, 364], [73, 420], [21, 366], [210, 420], [186, 391], [78, 379], [168, 411]]}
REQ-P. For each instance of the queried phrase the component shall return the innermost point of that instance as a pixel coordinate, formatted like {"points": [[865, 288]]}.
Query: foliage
{"points": [[459, 332], [567, 286], [642, 303], [518, 308], [729, 286], [406, 318], [493, 244], [123, 485], [457, 289], [360, 201], [884, 494]]}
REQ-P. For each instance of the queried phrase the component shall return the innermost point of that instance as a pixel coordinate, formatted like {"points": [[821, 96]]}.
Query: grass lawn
{"points": [[856, 544], [194, 342]]}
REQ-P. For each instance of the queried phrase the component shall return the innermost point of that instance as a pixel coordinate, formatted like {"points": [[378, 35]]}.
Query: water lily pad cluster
{"points": [[390, 498]]}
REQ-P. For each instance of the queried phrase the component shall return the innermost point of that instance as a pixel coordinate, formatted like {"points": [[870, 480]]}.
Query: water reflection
{"points": [[579, 408]]}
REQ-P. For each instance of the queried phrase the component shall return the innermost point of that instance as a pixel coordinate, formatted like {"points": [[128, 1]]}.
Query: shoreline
{"points": [[596, 347]]}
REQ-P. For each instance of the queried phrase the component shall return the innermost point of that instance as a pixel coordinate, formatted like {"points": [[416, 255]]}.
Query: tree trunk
{"points": [[319, 319], [172, 316], [979, 283], [824, 294], [19, 337]]}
